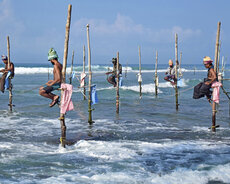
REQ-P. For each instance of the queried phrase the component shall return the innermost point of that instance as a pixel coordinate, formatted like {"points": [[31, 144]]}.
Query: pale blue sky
{"points": [[115, 25]]}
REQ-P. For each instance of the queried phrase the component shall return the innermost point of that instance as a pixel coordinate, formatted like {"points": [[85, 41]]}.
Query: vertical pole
{"points": [[222, 71], [215, 69], [62, 116], [84, 90], [90, 78], [10, 86], [156, 77], [117, 98], [218, 60], [176, 63], [139, 78], [71, 71], [217, 47], [180, 74]]}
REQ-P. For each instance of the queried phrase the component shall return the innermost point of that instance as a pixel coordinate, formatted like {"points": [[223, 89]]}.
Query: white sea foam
{"points": [[125, 153], [95, 69], [164, 70], [146, 88], [182, 176], [129, 157], [168, 84]]}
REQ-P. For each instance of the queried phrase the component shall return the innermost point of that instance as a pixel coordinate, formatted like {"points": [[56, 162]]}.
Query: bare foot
{"points": [[55, 100]]}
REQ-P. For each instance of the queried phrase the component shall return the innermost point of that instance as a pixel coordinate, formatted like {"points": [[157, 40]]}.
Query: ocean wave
{"points": [[146, 88], [95, 69], [168, 84]]}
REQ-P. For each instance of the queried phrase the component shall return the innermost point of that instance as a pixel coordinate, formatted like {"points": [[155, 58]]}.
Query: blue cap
{"points": [[4, 57]]}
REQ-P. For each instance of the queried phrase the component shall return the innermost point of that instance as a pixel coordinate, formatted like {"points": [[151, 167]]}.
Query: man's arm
{"points": [[168, 71], [213, 77], [49, 83], [9, 69], [108, 73], [174, 70]]}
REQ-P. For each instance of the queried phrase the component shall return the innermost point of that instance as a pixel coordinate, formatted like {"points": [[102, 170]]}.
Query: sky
{"points": [[34, 26]]}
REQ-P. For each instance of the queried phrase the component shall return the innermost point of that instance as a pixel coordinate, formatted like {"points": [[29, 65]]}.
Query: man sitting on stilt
{"points": [[111, 79], [203, 88], [54, 84], [6, 73], [171, 73]]}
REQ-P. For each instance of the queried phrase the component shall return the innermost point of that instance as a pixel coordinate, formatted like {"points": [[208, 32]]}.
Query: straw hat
{"points": [[207, 60]]}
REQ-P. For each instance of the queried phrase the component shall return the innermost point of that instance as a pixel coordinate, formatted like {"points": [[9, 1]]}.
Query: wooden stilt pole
{"points": [[90, 121], [139, 76], [156, 77], [176, 63], [10, 85], [71, 71], [222, 71], [84, 90], [118, 96], [62, 116], [180, 73], [218, 60], [216, 70]]}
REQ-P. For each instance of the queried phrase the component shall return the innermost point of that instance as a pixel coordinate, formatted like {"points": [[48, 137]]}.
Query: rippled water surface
{"points": [[148, 142]]}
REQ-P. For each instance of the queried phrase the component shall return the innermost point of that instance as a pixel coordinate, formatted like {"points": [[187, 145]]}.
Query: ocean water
{"points": [[148, 142]]}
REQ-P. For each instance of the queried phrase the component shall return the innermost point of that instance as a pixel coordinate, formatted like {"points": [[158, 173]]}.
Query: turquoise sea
{"points": [[148, 142]]}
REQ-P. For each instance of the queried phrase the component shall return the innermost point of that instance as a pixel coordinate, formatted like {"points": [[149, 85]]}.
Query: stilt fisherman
{"points": [[8, 72], [54, 84], [112, 78], [170, 73], [203, 88]]}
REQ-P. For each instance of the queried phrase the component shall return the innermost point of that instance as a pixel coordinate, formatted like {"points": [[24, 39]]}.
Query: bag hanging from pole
{"points": [[94, 99]]}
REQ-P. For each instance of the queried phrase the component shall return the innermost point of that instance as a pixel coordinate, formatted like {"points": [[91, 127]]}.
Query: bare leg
{"points": [[47, 95], [112, 81], [167, 79], [55, 100]]}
